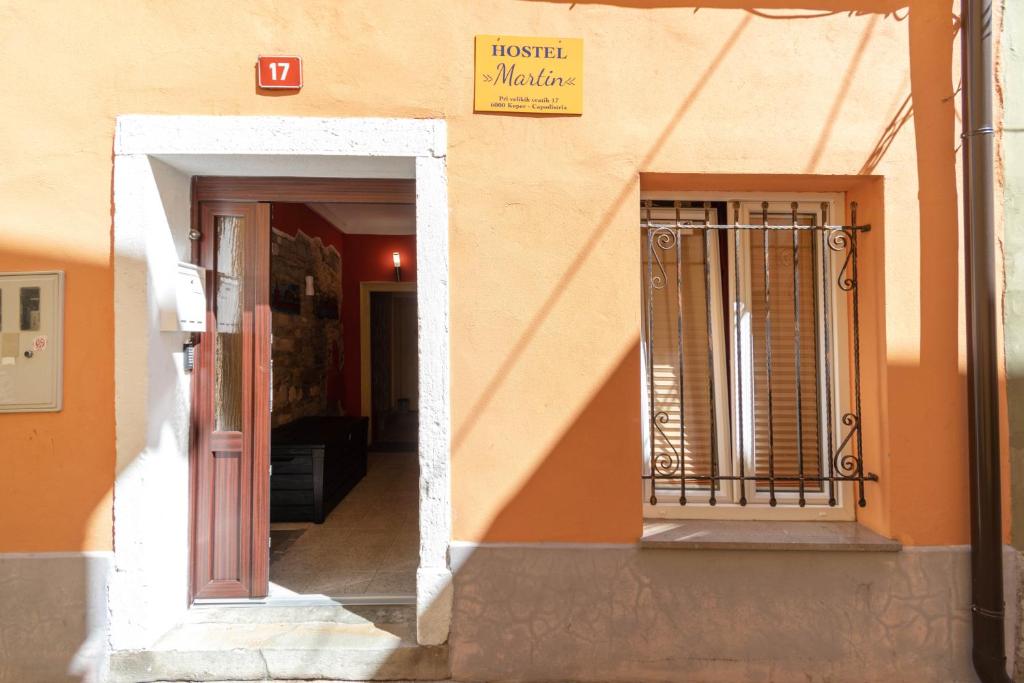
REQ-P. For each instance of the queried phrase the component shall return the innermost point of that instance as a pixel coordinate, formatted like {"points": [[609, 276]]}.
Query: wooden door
{"points": [[231, 414]]}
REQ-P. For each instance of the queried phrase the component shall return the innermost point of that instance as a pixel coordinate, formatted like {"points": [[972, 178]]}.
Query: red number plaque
{"points": [[279, 71]]}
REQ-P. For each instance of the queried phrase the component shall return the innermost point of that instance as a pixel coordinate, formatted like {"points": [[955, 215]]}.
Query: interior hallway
{"points": [[368, 545], [397, 431]]}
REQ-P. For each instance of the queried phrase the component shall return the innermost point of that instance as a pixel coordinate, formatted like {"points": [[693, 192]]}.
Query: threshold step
{"points": [[287, 643], [384, 617]]}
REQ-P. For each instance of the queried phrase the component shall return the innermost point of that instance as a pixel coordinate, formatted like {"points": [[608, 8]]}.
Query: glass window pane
{"points": [[228, 276], [29, 309]]}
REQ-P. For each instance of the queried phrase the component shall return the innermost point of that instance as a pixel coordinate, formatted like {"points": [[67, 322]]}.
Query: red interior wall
{"points": [[367, 258], [290, 218], [364, 258]]}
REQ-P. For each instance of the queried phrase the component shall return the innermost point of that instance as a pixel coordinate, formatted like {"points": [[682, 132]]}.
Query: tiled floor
{"points": [[368, 545]]}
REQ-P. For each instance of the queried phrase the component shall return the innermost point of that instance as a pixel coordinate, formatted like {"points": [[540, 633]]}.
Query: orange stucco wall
{"points": [[545, 315]]}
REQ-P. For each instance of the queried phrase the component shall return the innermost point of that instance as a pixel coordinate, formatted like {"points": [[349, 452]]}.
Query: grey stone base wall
{"points": [[607, 613], [619, 613], [53, 616]]}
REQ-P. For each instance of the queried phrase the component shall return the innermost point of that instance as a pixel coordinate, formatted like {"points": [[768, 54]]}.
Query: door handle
{"points": [[29, 353]]}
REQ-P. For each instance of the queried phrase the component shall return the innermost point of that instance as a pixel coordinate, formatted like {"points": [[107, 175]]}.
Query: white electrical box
{"points": [[189, 306], [31, 341]]}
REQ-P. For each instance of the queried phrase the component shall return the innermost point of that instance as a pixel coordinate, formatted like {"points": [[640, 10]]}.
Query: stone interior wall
{"points": [[307, 350]]}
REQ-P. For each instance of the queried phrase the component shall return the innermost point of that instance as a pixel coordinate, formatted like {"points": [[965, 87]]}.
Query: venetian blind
{"points": [[779, 431], [678, 337]]}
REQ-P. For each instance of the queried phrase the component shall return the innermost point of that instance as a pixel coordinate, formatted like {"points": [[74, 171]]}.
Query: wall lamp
{"points": [[397, 259]]}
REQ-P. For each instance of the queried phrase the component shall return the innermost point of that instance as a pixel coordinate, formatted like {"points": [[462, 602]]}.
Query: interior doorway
{"points": [[288, 500], [390, 390], [393, 369]]}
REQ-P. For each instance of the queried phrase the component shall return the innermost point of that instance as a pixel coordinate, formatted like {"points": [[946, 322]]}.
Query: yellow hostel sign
{"points": [[520, 75]]}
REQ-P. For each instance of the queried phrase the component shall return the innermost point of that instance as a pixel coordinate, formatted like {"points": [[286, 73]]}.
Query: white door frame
{"points": [[154, 160]]}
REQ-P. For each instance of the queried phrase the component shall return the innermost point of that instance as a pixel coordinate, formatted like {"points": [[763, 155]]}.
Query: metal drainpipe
{"points": [[989, 653]]}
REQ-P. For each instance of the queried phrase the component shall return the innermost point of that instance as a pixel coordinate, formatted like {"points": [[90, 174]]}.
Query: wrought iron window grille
{"points": [[817, 447]]}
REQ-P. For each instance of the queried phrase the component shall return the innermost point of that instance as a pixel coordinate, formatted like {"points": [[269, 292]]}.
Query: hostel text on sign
{"points": [[517, 74]]}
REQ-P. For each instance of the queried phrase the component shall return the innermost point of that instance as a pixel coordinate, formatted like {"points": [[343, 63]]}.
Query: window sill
{"points": [[813, 512], [698, 534]]}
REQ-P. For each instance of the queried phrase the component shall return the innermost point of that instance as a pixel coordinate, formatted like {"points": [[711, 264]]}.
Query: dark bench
{"points": [[315, 462]]}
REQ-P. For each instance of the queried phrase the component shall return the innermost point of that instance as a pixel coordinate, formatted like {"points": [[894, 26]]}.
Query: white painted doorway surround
{"points": [[154, 160]]}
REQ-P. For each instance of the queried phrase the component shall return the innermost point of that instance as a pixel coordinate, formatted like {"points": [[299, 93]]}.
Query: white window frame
{"points": [[727, 494]]}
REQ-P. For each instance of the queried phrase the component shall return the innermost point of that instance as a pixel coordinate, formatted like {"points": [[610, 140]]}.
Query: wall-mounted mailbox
{"points": [[31, 341], [189, 306]]}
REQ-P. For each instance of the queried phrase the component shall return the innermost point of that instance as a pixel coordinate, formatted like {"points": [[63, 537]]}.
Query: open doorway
{"points": [[289, 501], [164, 165], [390, 391], [344, 515]]}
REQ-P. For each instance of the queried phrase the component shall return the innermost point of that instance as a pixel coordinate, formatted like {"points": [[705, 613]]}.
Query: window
{"points": [[751, 359]]}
